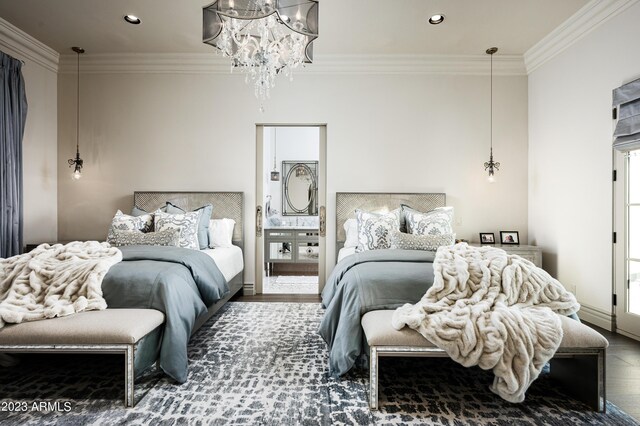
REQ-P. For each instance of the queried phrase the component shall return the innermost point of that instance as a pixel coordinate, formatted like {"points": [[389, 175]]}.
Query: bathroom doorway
{"points": [[290, 212]]}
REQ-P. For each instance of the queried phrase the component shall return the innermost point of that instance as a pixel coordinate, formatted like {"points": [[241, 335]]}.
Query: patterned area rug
{"points": [[263, 363], [290, 284]]}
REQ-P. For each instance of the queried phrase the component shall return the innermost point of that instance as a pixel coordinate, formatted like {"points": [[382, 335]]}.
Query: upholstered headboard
{"points": [[348, 202], [225, 205]]}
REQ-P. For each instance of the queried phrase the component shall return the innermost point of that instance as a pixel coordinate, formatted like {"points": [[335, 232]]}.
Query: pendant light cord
{"points": [[491, 107], [78, 104]]}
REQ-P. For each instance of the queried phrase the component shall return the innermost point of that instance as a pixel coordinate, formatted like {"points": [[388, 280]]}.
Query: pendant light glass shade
{"points": [[77, 162], [491, 166], [275, 174]]}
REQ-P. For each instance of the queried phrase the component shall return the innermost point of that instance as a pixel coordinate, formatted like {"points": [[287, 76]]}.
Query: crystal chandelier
{"points": [[263, 38]]}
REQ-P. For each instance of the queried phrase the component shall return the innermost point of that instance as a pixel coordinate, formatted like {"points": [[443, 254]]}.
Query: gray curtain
{"points": [[627, 100], [13, 114]]}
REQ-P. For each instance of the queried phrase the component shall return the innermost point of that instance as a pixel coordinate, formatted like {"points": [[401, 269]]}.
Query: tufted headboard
{"points": [[225, 205], [348, 202]]}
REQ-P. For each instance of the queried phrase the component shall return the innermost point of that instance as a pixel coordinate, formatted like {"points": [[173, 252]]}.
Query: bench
{"points": [[579, 363], [113, 331]]}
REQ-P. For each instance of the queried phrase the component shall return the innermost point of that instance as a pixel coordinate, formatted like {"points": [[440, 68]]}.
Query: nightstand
{"points": [[531, 253]]}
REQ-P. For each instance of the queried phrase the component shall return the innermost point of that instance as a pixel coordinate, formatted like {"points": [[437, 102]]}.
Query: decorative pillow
{"points": [[203, 221], [351, 233], [221, 232], [186, 223], [169, 237], [124, 222], [403, 241], [434, 222], [374, 229]]}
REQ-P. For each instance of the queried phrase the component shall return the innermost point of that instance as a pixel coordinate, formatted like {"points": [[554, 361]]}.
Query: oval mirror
{"points": [[299, 186]]}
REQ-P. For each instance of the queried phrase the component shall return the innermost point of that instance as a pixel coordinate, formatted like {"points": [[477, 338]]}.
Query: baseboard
{"points": [[248, 289], [595, 316]]}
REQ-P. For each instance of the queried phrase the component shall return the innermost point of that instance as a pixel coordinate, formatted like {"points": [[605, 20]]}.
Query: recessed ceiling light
{"points": [[132, 19], [436, 19]]}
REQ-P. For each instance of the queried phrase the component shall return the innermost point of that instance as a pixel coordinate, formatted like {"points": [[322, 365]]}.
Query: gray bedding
{"points": [[180, 282], [363, 282]]}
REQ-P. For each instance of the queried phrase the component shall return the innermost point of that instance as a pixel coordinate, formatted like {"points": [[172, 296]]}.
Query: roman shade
{"points": [[626, 99]]}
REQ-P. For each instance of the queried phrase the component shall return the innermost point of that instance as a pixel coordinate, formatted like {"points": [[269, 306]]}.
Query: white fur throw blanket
{"points": [[53, 281], [494, 310]]}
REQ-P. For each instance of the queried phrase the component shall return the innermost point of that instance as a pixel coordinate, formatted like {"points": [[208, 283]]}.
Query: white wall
{"points": [[386, 133], [570, 128], [40, 142]]}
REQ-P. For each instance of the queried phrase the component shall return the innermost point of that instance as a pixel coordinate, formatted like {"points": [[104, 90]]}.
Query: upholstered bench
{"points": [[579, 363], [110, 331]]}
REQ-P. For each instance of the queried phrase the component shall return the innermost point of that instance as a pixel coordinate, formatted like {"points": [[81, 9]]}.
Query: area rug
{"points": [[264, 364], [290, 284]]}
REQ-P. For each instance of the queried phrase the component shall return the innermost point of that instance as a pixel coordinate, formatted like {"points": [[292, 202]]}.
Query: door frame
{"points": [[624, 322], [322, 201]]}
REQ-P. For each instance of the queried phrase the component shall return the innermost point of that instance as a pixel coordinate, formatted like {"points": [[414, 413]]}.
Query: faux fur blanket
{"points": [[53, 281], [494, 310]]}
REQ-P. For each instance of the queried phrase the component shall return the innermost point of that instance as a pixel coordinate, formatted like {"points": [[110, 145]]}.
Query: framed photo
{"points": [[487, 238], [509, 237]]}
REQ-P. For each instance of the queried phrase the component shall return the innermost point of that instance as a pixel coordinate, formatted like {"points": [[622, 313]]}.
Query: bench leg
{"points": [[129, 377], [373, 378], [583, 376]]}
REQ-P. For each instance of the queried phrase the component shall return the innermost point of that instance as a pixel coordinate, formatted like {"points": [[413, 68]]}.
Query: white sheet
{"points": [[345, 251], [228, 259]]}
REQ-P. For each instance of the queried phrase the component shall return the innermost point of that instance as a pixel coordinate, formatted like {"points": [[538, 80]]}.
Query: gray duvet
{"points": [[363, 282], [179, 282]]}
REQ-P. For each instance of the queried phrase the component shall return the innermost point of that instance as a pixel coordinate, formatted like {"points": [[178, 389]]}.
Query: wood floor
{"points": [[623, 357]]}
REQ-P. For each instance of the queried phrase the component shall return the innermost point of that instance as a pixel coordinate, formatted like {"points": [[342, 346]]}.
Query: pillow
{"points": [[351, 232], [374, 229], [403, 241], [203, 221], [169, 237], [186, 223], [434, 222], [221, 232], [137, 211], [124, 222]]}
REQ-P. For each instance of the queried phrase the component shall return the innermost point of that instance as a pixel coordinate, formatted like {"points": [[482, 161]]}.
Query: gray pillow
{"points": [[203, 222], [168, 237], [399, 240]]}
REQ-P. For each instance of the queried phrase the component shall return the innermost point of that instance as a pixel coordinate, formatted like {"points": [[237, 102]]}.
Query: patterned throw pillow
{"points": [[203, 222], [170, 237], [124, 222], [374, 229], [403, 241], [434, 222], [186, 223]]}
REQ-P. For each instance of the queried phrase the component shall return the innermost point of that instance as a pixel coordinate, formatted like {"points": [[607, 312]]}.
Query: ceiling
{"points": [[346, 26]]}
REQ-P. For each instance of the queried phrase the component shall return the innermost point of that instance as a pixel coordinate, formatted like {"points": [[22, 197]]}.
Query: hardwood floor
{"points": [[623, 372], [623, 357]]}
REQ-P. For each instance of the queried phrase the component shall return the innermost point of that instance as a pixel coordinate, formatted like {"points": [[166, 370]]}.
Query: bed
{"points": [[184, 284], [371, 280]]}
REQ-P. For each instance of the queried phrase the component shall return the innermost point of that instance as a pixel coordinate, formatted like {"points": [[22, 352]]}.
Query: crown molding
{"points": [[22, 44], [589, 17], [211, 63]]}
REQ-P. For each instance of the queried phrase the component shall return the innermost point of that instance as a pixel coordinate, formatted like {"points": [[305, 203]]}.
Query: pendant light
{"points": [[491, 166], [275, 174], [77, 162]]}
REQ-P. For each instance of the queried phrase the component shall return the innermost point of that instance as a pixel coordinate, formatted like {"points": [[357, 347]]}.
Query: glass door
{"points": [[628, 266]]}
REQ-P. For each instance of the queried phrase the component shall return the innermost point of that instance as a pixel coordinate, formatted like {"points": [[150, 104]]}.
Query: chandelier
{"points": [[263, 38]]}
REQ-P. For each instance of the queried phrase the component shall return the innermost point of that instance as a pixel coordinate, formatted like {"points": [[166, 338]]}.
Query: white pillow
{"points": [[435, 222], [186, 223], [221, 232], [124, 222], [374, 229], [351, 232]]}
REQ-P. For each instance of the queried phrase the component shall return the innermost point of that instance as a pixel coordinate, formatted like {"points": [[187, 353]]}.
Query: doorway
{"points": [[627, 249], [290, 212]]}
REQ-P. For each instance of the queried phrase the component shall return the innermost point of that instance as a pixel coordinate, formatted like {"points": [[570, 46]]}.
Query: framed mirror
{"points": [[299, 188]]}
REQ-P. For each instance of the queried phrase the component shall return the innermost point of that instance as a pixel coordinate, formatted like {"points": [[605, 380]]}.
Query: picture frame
{"points": [[487, 238], [509, 237]]}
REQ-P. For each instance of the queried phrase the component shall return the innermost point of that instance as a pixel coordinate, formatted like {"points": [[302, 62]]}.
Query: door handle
{"points": [[323, 221], [259, 221]]}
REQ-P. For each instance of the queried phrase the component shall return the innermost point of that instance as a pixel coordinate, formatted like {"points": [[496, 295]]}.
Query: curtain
{"points": [[626, 99], [13, 114]]}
